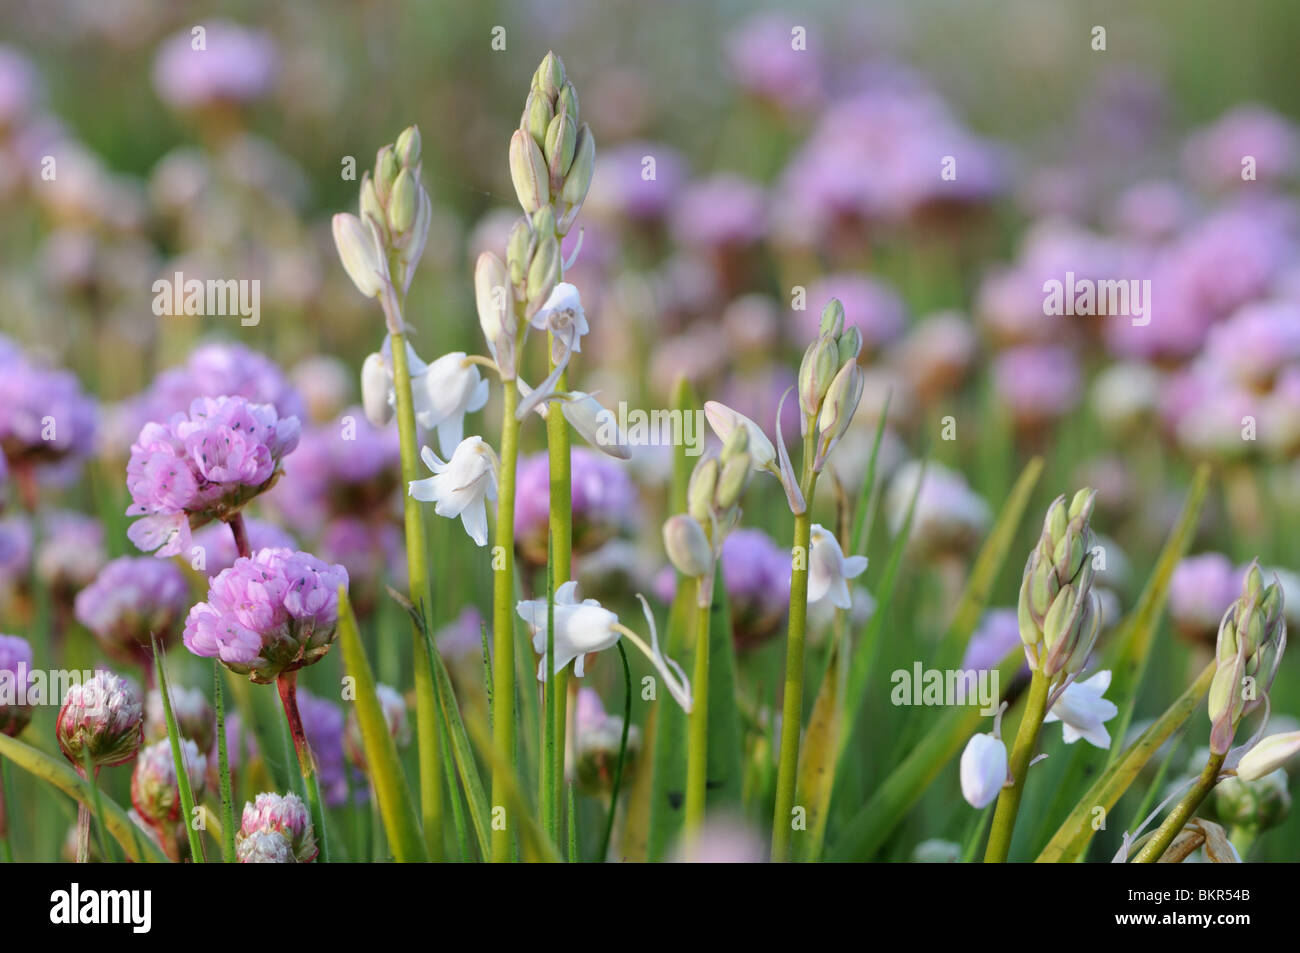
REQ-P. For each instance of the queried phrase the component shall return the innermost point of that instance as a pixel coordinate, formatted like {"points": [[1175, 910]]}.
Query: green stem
{"points": [[1154, 849], [561, 533], [417, 561], [6, 850], [697, 744], [287, 684], [622, 756], [503, 615], [792, 702], [1022, 752]]}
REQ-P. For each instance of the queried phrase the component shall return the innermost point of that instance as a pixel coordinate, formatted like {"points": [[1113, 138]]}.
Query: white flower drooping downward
{"points": [[563, 318], [1082, 711], [594, 422], [444, 392], [984, 766], [587, 626], [829, 570], [460, 486]]}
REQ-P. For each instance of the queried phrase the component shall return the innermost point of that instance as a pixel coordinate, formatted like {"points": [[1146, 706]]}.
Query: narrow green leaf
{"points": [[861, 525], [726, 769], [178, 757], [1128, 658], [668, 756], [396, 806], [818, 755], [1071, 840], [537, 847], [61, 775]]}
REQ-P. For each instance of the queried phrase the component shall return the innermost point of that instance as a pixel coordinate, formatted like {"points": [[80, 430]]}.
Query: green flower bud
{"points": [[702, 488], [849, 345], [537, 115], [816, 371], [528, 172], [732, 481], [408, 147], [371, 208], [543, 273], [1254, 805], [386, 170], [1059, 612], [568, 101], [1252, 637], [839, 405], [737, 442], [550, 74], [577, 182], [403, 204], [832, 318], [687, 546], [544, 221], [561, 138], [519, 252]]}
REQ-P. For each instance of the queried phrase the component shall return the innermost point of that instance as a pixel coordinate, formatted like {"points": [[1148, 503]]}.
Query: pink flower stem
{"points": [[287, 684], [236, 524]]}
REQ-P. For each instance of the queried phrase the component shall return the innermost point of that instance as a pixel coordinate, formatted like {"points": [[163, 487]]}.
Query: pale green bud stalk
{"points": [[1252, 638], [1059, 612]]}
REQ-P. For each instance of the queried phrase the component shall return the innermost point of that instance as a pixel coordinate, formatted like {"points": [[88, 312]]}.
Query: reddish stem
{"points": [[237, 527], [287, 683]]}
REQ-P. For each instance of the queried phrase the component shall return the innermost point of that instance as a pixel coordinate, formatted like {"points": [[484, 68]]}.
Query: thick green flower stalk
{"points": [[551, 160], [694, 542], [1059, 619], [380, 251], [1252, 638], [830, 386]]}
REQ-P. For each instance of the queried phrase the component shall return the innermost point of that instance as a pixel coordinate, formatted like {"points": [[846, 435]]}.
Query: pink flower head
{"points": [[202, 466], [133, 598], [1038, 385], [15, 676], [286, 816], [270, 613], [1200, 591], [232, 65], [101, 722]]}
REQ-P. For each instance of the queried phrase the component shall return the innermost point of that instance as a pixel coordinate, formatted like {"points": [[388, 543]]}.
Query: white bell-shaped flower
{"points": [[983, 770], [461, 486], [580, 627], [1082, 711], [829, 570], [444, 392]]}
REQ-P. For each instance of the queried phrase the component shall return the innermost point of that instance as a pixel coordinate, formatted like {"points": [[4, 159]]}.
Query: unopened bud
{"points": [[849, 345], [1268, 755], [528, 172], [817, 370], [519, 252], [841, 402], [578, 180], [408, 147], [286, 816], [101, 722], [403, 204], [703, 486], [732, 481], [561, 139], [375, 383], [832, 318], [356, 246], [386, 171], [537, 115], [687, 546], [543, 273], [155, 792], [550, 74]]}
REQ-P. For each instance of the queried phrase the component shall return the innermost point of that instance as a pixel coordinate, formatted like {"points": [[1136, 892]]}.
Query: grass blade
{"points": [[178, 757], [1071, 840], [56, 772], [396, 806], [223, 770]]}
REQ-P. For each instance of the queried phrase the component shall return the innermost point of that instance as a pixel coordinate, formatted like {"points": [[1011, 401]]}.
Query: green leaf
{"points": [[223, 769], [61, 775], [668, 754], [861, 525], [178, 757], [1071, 840], [396, 807], [1128, 658], [725, 772], [820, 752]]}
